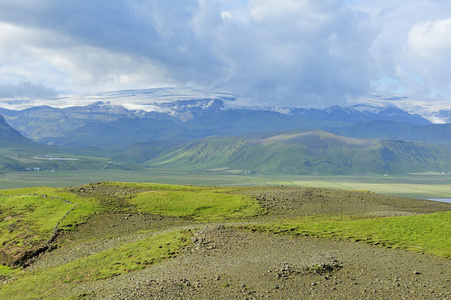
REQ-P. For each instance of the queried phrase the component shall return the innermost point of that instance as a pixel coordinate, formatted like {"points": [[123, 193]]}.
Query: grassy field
{"points": [[425, 233], [29, 215], [106, 264], [33, 212], [418, 186]]}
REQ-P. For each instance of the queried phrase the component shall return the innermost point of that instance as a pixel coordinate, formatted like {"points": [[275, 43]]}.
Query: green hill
{"points": [[124, 132], [307, 152], [12, 147], [18, 153], [124, 240], [431, 133], [11, 138]]}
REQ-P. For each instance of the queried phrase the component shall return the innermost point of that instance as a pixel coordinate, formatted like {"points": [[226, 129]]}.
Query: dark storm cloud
{"points": [[277, 52], [26, 90]]}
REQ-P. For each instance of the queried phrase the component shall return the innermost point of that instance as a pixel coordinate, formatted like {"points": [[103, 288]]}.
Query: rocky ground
{"points": [[224, 262]]}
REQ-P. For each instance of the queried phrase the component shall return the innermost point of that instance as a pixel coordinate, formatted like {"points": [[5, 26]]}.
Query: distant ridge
{"points": [[9, 137], [307, 152], [12, 144], [432, 133], [173, 113]]}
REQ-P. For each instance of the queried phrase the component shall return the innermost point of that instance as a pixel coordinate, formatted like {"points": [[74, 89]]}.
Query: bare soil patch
{"points": [[225, 262]]}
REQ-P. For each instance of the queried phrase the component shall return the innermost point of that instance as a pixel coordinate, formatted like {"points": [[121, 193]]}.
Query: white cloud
{"points": [[293, 52], [279, 52], [26, 90], [96, 67], [432, 39], [428, 51], [410, 54]]}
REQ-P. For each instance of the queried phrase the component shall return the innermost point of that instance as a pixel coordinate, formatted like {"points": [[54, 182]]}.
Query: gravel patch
{"points": [[225, 262]]}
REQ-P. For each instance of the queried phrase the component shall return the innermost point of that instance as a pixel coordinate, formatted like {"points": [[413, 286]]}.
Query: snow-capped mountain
{"points": [[139, 99], [184, 103], [438, 112], [359, 113], [125, 117]]}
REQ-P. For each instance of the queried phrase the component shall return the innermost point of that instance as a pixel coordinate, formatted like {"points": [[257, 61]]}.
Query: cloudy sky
{"points": [[274, 52]]}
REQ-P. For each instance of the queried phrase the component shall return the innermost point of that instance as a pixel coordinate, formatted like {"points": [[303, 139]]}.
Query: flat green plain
{"points": [[418, 186]]}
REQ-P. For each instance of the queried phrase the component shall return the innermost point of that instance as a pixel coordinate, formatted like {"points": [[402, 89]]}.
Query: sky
{"points": [[306, 53]]}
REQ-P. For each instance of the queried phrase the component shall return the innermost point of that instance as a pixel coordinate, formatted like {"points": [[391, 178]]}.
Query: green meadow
{"points": [[422, 233], [418, 186], [128, 258], [29, 216]]}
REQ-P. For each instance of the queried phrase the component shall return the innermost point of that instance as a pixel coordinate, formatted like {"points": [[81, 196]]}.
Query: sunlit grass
{"points": [[29, 219], [337, 214], [127, 258], [7, 271], [427, 233], [419, 186], [195, 205], [29, 215]]}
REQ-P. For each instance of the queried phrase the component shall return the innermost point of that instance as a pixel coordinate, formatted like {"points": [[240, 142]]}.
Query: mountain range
{"points": [[189, 130], [306, 152], [111, 123]]}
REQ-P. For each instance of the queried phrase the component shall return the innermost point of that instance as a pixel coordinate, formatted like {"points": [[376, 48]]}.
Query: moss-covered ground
{"points": [[108, 229]]}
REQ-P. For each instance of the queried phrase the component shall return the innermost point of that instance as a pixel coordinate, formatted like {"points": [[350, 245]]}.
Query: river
{"points": [[447, 200]]}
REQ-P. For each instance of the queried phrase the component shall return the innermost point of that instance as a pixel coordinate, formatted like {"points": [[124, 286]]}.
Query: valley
{"points": [[201, 149], [191, 199], [165, 140], [417, 186]]}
